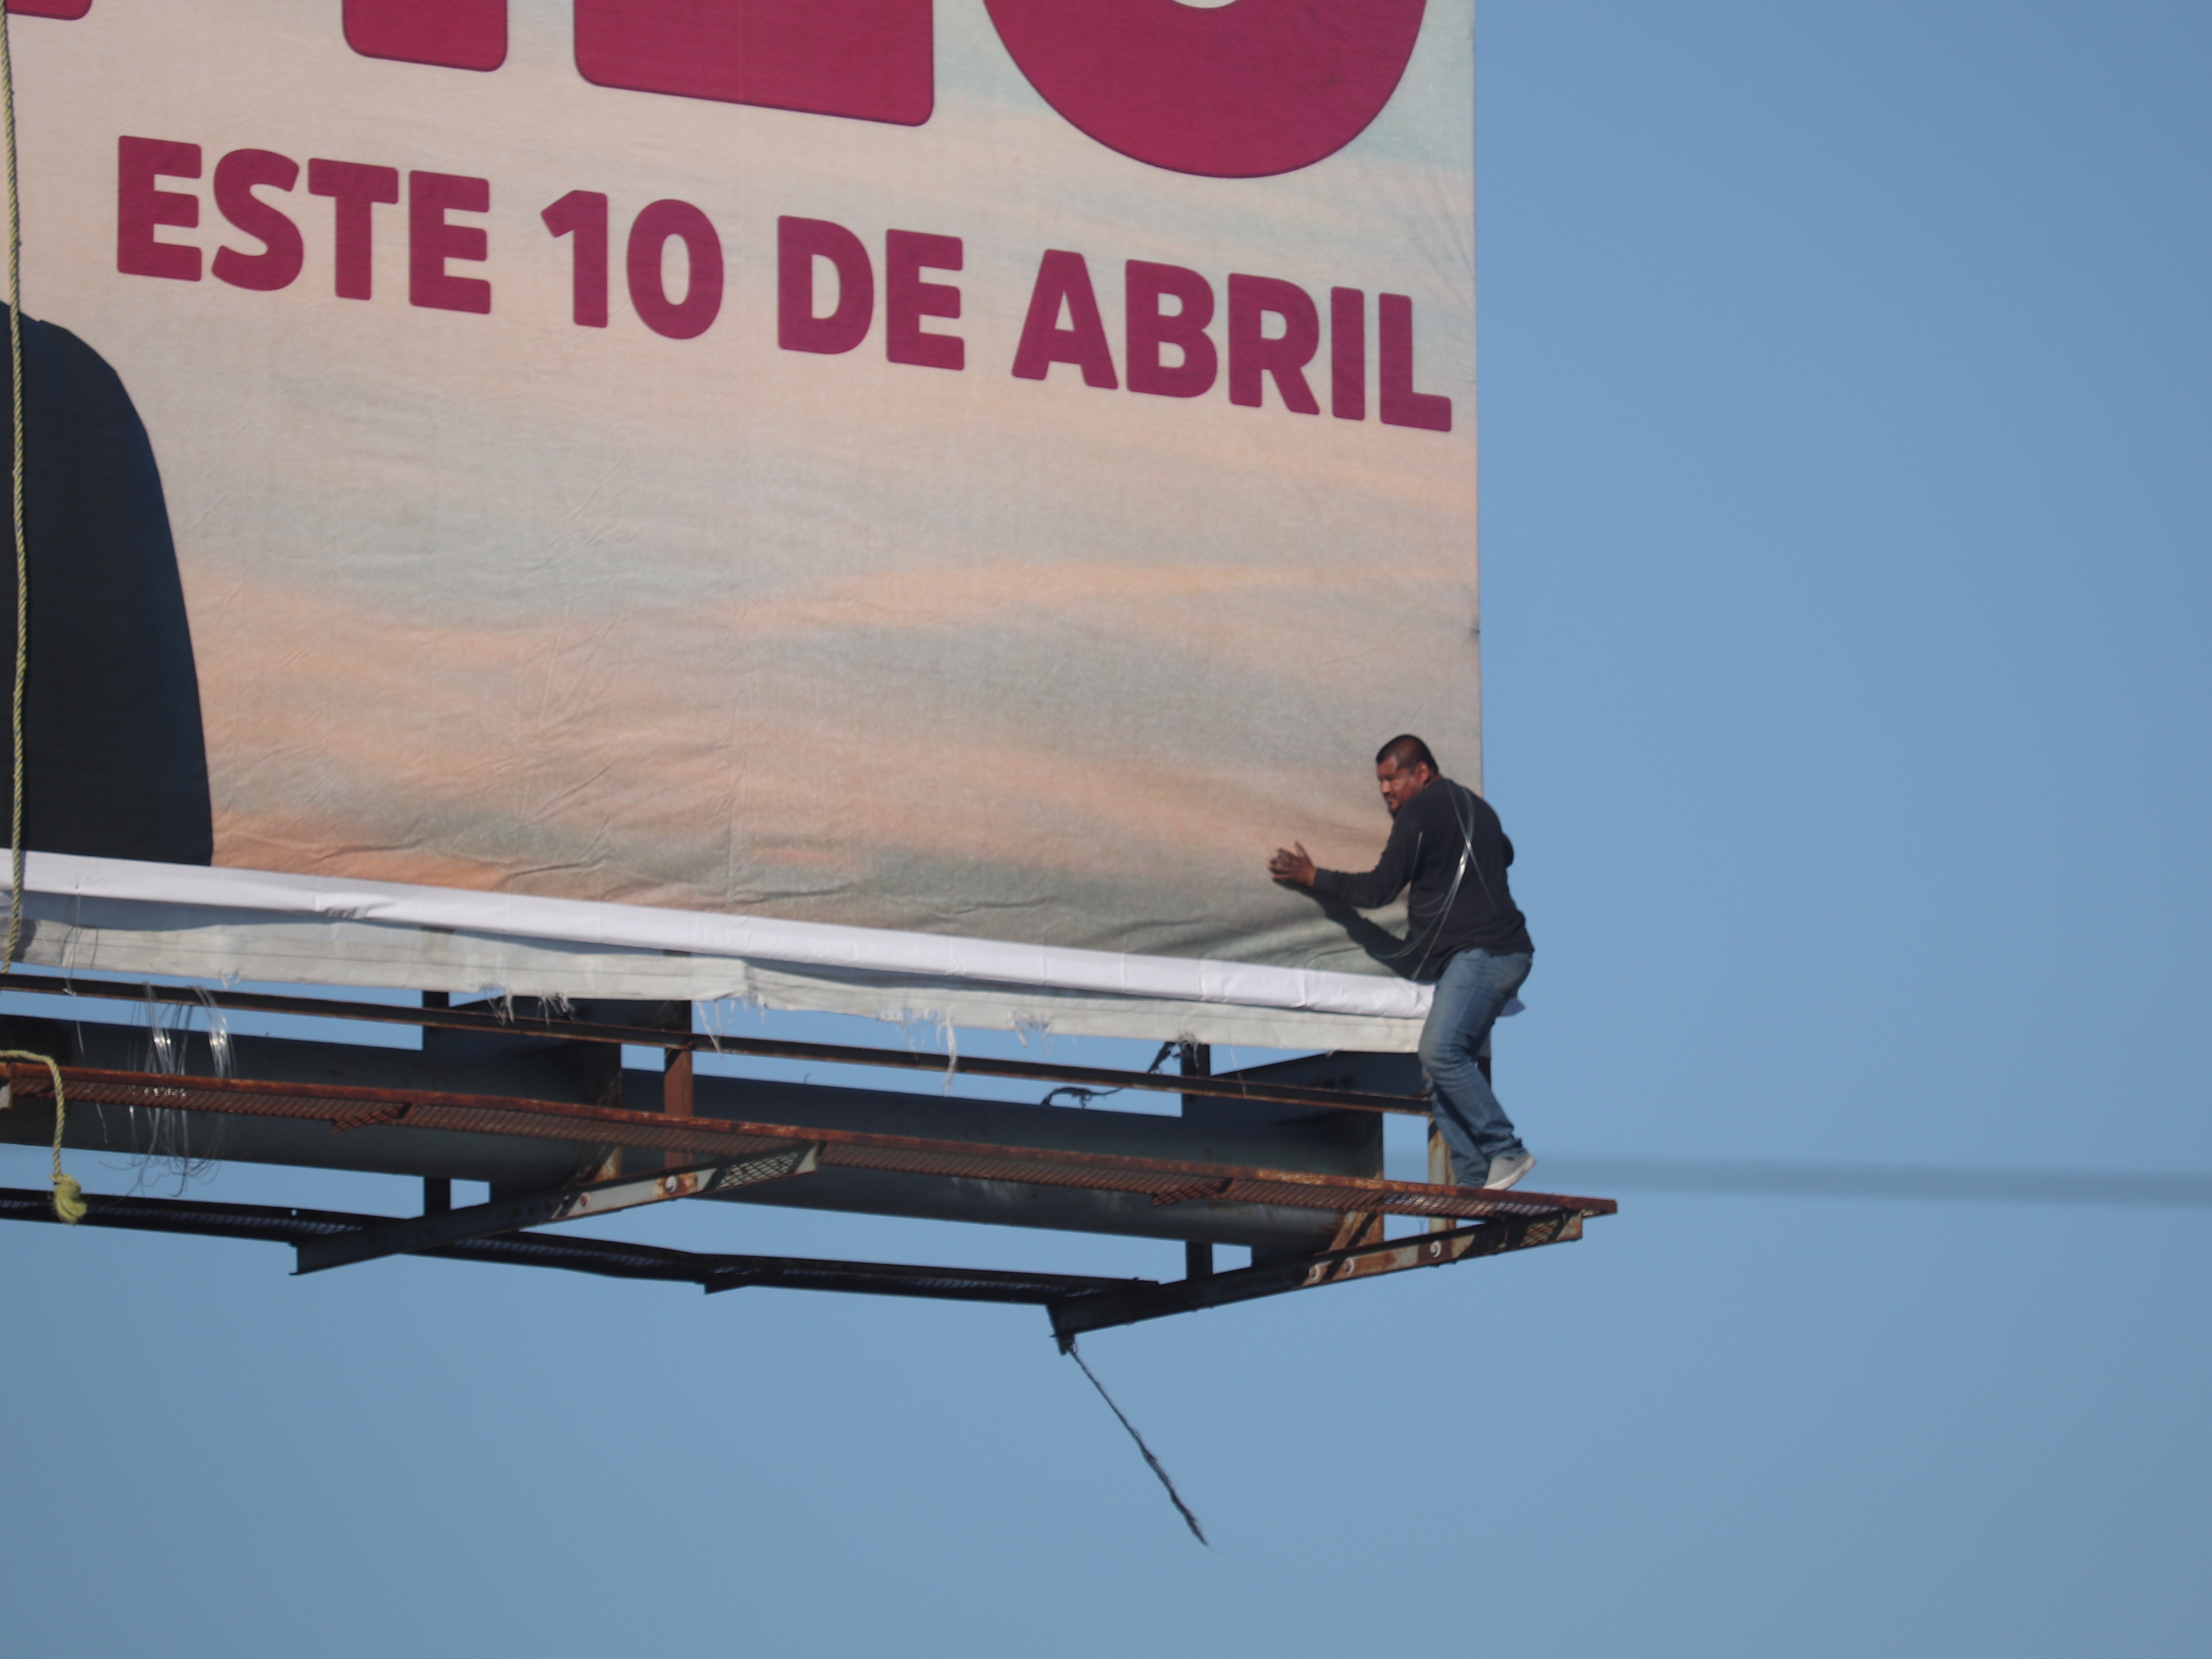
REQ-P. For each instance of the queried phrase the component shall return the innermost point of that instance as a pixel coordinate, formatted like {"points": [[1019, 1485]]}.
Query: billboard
{"points": [[970, 470]]}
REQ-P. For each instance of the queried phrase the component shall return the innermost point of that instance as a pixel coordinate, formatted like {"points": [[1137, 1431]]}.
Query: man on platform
{"points": [[1464, 934]]}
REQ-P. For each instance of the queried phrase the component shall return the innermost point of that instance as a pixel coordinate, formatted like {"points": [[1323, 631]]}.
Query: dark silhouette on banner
{"points": [[115, 760]]}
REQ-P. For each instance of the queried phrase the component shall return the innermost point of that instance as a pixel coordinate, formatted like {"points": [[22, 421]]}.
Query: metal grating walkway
{"points": [[1166, 1180]]}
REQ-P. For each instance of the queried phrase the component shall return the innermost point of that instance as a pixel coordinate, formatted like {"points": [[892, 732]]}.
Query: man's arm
{"points": [[1371, 891]]}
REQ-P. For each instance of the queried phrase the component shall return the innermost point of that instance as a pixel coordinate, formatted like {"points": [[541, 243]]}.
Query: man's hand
{"points": [[1293, 865]]}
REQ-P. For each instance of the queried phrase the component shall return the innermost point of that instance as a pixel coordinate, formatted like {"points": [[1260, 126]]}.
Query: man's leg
{"points": [[1475, 985]]}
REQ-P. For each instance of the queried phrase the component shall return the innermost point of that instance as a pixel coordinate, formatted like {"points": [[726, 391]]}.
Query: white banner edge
{"points": [[765, 940]]}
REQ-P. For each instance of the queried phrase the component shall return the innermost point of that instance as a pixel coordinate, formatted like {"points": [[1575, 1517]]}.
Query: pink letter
{"points": [[1402, 404], [1149, 328], [1232, 92], [799, 243], [470, 35], [1062, 275], [354, 189], [1347, 354], [908, 299], [235, 177], [1253, 353], [432, 241], [869, 59], [139, 207]]}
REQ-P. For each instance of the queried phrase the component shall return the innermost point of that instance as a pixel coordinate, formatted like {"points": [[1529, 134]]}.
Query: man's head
{"points": [[1403, 768]]}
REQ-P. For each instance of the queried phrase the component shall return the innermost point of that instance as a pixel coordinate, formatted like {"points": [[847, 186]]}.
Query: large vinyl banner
{"points": [[991, 468]]}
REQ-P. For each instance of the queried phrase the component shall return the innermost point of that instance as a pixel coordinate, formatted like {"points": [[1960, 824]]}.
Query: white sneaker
{"points": [[1506, 1169]]}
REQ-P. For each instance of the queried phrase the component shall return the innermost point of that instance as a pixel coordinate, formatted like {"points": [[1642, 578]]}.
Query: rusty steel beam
{"points": [[608, 1258], [410, 1234], [1078, 1315], [1076, 1303], [1274, 1138], [892, 1279], [1231, 1087], [676, 1093], [1166, 1180]]}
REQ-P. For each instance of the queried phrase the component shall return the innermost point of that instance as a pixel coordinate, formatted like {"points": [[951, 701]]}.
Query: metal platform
{"points": [[1076, 1304], [345, 1109], [522, 1019], [1285, 1159]]}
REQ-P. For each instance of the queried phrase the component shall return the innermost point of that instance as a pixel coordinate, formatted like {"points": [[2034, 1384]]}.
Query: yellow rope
{"points": [[69, 1197]]}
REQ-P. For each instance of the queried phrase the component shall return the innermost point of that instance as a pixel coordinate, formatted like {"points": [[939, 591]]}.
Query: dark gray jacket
{"points": [[1449, 846]]}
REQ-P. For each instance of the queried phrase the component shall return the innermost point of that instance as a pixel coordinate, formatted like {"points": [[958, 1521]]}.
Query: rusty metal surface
{"points": [[1076, 1315], [573, 1030], [1076, 1303], [1166, 1180], [410, 1234], [1374, 1256], [608, 1258], [1302, 1139]]}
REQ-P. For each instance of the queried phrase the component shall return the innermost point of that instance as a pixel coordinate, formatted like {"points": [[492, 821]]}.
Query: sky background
{"points": [[1845, 414]]}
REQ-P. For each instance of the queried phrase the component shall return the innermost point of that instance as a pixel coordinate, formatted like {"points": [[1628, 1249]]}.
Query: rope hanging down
{"points": [[69, 1197], [1152, 1463]]}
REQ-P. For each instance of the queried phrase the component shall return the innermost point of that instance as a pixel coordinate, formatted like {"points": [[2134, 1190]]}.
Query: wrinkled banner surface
{"points": [[994, 468]]}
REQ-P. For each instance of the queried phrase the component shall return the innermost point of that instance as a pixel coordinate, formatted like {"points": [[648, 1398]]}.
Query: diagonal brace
{"points": [[424, 1232], [1075, 1315]]}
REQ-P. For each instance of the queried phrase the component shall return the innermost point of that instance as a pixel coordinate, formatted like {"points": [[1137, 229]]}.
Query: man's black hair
{"points": [[1405, 752]]}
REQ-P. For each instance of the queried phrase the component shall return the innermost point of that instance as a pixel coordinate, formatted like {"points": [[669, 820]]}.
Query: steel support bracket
{"points": [[1075, 1315], [423, 1232]]}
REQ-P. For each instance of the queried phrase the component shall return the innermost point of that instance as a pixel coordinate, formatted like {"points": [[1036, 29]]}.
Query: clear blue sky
{"points": [[1845, 390]]}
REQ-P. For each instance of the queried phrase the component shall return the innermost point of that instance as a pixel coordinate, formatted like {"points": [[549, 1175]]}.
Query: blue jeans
{"points": [[1475, 986]]}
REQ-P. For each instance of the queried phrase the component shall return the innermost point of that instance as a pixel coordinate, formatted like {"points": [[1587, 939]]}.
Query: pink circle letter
{"points": [[1240, 91]]}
